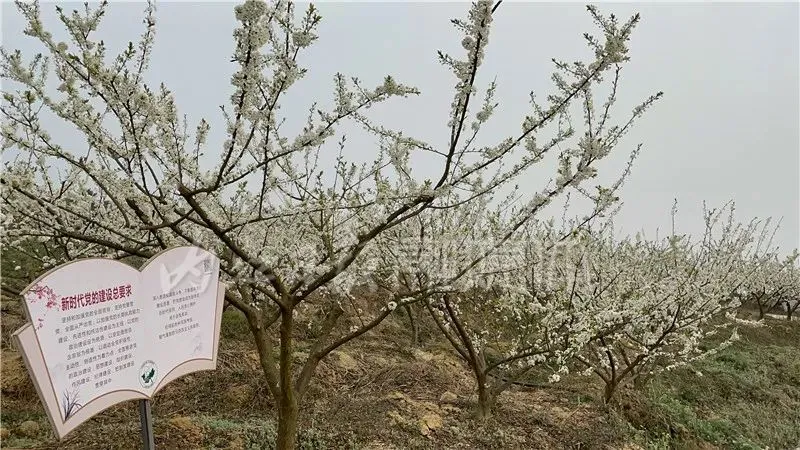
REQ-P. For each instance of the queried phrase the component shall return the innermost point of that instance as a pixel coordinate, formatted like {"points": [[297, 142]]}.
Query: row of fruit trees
{"points": [[339, 248]]}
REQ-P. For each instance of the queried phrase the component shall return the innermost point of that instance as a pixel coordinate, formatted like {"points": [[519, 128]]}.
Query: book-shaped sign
{"points": [[102, 332]]}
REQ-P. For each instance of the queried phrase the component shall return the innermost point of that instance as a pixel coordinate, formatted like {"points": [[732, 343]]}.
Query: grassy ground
{"points": [[380, 394], [746, 397]]}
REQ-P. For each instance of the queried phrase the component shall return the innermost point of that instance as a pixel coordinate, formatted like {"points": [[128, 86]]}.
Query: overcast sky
{"points": [[728, 127]]}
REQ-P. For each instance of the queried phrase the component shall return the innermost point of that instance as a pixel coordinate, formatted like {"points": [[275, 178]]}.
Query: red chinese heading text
{"points": [[92, 298]]}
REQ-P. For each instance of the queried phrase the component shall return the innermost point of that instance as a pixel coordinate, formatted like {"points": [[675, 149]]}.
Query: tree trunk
{"points": [[486, 397], [287, 423], [608, 392], [287, 404], [485, 402]]}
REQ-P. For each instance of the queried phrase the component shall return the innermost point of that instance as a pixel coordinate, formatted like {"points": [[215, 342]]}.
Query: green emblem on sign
{"points": [[147, 374]]}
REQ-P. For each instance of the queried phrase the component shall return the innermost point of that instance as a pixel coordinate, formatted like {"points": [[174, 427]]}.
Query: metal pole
{"points": [[146, 419]]}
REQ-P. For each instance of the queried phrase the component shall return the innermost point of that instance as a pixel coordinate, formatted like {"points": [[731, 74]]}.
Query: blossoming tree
{"points": [[460, 254], [773, 282], [672, 294], [294, 237], [521, 308], [514, 315]]}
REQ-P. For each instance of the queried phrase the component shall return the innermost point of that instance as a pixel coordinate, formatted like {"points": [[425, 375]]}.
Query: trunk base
{"points": [[287, 431]]}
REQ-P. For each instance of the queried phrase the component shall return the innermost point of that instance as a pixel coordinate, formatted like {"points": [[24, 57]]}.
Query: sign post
{"points": [[101, 332], [148, 440]]}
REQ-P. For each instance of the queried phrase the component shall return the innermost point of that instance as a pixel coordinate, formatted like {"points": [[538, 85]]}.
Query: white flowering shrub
{"points": [[667, 297], [528, 306], [458, 259], [516, 315], [774, 282], [577, 298], [791, 294], [295, 238]]}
